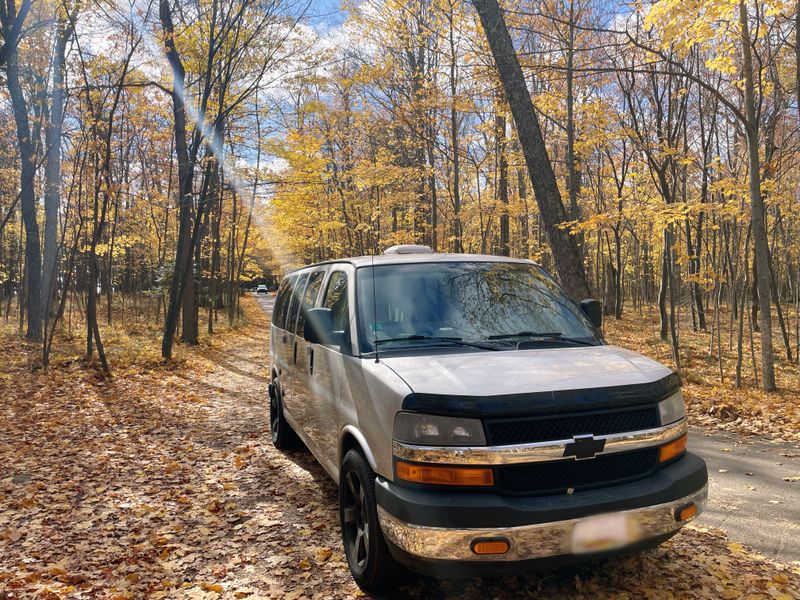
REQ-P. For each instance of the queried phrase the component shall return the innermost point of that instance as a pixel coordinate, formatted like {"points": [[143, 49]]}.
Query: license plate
{"points": [[603, 532]]}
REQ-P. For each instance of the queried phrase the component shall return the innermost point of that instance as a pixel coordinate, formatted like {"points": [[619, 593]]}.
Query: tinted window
{"points": [[493, 303], [281, 303], [294, 303], [336, 300], [309, 298]]}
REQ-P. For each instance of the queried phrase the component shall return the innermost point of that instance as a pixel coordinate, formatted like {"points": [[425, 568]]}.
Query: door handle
{"points": [[294, 353], [310, 360]]}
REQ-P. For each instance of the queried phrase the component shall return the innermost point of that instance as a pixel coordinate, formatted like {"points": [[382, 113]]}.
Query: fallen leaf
{"points": [[219, 571], [324, 554]]}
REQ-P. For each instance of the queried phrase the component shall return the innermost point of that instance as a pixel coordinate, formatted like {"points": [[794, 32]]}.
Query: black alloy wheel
{"points": [[283, 438], [371, 564], [355, 519]]}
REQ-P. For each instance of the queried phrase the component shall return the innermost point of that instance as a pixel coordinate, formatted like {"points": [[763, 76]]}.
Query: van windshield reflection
{"points": [[481, 305]]}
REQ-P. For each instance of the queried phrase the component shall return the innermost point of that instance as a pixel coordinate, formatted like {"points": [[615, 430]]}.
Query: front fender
{"points": [[350, 430]]}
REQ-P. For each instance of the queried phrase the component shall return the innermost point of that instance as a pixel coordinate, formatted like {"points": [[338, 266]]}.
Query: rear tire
{"points": [[368, 557], [283, 436]]}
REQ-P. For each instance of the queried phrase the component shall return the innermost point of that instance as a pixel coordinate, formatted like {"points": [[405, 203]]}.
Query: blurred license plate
{"points": [[603, 532]]}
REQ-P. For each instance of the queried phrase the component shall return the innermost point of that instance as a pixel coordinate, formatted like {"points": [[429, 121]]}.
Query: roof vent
{"points": [[408, 249]]}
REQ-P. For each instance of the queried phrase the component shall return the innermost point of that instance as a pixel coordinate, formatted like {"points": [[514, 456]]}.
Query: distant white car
{"points": [[262, 289]]}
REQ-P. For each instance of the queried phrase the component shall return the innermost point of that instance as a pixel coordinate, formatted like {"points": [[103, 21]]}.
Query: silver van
{"points": [[474, 418]]}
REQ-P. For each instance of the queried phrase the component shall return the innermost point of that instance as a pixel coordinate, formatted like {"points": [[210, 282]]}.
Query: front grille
{"points": [[564, 427], [557, 476]]}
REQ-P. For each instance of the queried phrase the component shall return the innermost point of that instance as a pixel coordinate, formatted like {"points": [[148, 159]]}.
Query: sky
{"points": [[325, 14]]}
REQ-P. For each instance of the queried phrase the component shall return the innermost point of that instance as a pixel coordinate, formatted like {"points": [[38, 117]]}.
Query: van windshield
{"points": [[495, 305]]}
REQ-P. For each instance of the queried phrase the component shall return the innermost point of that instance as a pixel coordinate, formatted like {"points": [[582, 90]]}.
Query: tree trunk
{"points": [[618, 289], [457, 233], [666, 254], [573, 172], [565, 250], [190, 327], [758, 214], [524, 218], [673, 300], [52, 195], [458, 245], [502, 180], [214, 302], [183, 255], [434, 211], [797, 54], [33, 256]]}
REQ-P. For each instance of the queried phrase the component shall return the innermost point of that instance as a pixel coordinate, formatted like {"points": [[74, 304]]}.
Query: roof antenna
{"points": [[374, 310]]}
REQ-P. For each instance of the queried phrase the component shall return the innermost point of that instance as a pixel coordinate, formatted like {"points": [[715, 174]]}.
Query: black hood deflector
{"points": [[543, 403]]}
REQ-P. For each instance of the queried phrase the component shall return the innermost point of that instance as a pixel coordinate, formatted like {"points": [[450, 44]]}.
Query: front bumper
{"points": [[433, 531]]}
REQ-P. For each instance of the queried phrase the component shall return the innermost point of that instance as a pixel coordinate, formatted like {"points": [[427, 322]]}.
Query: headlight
{"points": [[432, 430], [672, 409]]}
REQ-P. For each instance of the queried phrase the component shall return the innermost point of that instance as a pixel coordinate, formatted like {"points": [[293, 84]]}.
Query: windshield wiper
{"points": [[451, 340], [505, 336], [543, 337]]}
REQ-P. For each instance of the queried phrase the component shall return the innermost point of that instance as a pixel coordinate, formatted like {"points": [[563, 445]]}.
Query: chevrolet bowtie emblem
{"points": [[584, 446]]}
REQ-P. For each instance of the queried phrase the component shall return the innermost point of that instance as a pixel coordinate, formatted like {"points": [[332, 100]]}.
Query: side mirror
{"points": [[318, 326], [593, 309]]}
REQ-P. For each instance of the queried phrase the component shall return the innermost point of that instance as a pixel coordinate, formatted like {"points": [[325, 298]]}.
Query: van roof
{"points": [[428, 257]]}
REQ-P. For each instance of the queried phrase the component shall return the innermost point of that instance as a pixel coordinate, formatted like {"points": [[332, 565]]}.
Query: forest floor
{"points": [[162, 482], [713, 402]]}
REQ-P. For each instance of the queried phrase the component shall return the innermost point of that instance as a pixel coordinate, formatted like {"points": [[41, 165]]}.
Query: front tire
{"points": [[283, 437], [368, 557]]}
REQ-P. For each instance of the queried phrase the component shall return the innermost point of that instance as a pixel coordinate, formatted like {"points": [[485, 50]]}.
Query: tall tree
{"points": [[564, 247], [757, 211], [183, 254], [11, 22], [52, 193]]}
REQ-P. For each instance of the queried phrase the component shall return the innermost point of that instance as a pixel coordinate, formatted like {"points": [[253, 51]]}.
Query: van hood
{"points": [[545, 376]]}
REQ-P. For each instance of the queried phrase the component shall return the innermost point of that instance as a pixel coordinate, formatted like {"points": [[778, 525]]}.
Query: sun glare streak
{"points": [[281, 254]]}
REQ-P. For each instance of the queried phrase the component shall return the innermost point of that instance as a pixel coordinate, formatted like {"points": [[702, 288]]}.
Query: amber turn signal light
{"points": [[687, 512], [437, 475], [673, 449], [490, 546]]}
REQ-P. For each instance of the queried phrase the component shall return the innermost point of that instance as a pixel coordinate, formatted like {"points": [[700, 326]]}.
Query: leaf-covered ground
{"points": [[162, 483]]}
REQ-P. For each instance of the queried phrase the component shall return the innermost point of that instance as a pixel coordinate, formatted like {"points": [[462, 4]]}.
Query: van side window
{"points": [[294, 303], [336, 300], [309, 299], [281, 303]]}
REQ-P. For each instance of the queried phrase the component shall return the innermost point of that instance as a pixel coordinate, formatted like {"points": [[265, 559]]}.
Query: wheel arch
{"points": [[273, 383], [350, 438]]}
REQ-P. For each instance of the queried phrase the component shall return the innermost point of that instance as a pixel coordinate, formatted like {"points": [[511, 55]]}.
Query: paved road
{"points": [[748, 496], [266, 301]]}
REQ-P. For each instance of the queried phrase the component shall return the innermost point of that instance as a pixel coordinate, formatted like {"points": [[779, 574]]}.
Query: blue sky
{"points": [[324, 14]]}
